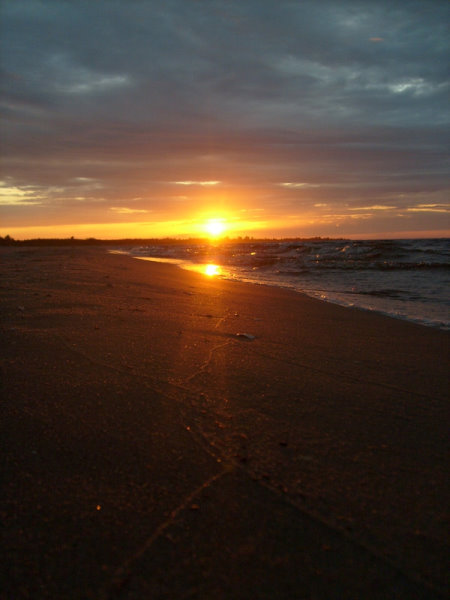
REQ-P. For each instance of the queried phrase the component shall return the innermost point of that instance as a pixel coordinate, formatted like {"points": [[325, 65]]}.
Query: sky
{"points": [[276, 118]]}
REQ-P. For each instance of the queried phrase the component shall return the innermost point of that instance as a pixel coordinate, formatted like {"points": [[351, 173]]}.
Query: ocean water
{"points": [[408, 279]]}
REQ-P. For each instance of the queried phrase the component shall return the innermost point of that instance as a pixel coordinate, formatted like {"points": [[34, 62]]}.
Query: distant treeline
{"points": [[9, 241]]}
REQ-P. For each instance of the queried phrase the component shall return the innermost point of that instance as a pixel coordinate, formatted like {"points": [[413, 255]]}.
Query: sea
{"points": [[406, 279]]}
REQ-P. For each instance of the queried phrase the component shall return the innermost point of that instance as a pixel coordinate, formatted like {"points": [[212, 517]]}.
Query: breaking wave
{"points": [[403, 278]]}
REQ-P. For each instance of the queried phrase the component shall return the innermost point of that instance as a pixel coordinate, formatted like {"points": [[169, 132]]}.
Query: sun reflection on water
{"points": [[211, 270]]}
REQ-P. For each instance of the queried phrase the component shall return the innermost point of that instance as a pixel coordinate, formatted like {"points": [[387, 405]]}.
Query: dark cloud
{"points": [[110, 101]]}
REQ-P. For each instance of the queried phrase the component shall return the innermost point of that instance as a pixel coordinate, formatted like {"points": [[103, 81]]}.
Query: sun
{"points": [[215, 227]]}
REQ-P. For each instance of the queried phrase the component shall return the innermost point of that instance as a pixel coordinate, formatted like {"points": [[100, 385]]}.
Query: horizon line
{"points": [[10, 241]]}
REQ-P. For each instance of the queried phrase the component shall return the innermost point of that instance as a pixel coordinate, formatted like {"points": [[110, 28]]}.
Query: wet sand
{"points": [[151, 452]]}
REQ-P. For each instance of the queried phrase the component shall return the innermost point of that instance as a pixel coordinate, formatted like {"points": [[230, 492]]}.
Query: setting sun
{"points": [[215, 227]]}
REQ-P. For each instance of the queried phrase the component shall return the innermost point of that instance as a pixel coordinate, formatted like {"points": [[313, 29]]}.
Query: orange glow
{"points": [[215, 227], [212, 270]]}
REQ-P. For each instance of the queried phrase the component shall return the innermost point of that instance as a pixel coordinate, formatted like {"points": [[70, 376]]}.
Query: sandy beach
{"points": [[169, 435]]}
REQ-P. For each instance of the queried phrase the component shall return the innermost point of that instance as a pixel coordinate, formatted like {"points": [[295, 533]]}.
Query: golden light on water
{"points": [[212, 270]]}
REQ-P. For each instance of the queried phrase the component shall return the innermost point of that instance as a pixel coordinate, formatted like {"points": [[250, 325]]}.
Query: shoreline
{"points": [[411, 297], [139, 419], [199, 267]]}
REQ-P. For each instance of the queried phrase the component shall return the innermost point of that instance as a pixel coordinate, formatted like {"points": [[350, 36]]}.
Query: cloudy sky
{"points": [[283, 117]]}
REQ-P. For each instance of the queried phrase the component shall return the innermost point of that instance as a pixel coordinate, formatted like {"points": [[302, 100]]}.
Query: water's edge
{"points": [[405, 279]]}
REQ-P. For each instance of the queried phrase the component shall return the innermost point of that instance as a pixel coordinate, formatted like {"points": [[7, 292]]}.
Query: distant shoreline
{"points": [[9, 241]]}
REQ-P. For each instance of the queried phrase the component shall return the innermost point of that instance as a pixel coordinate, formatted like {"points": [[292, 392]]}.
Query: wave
{"points": [[316, 255], [405, 278]]}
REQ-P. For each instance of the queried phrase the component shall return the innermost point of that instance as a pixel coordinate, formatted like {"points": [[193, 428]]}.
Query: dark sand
{"points": [[148, 452]]}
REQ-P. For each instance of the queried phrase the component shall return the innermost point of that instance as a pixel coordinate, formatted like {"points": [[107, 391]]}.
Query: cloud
{"points": [[430, 208], [374, 207], [340, 101], [296, 185], [14, 196], [122, 210], [201, 183]]}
